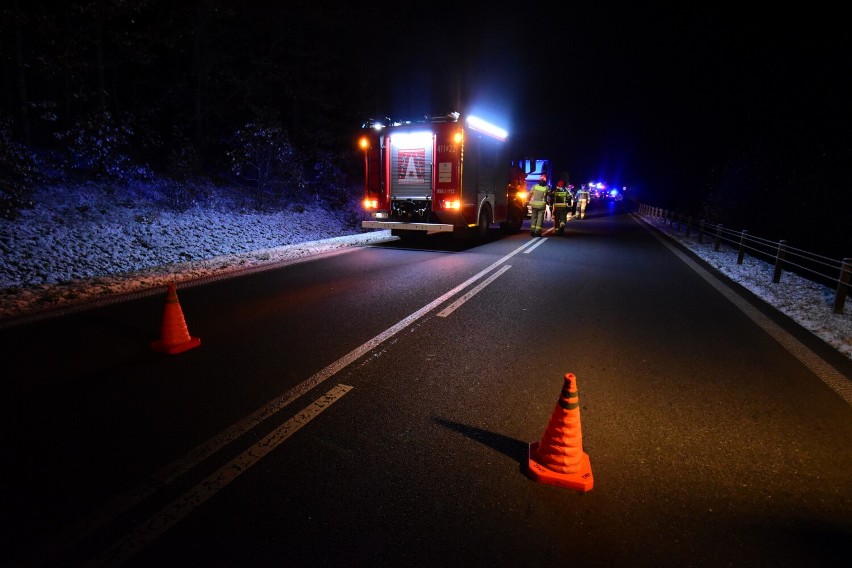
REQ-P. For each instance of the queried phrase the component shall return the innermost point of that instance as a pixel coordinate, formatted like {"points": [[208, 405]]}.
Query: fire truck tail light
{"points": [[451, 204], [371, 203]]}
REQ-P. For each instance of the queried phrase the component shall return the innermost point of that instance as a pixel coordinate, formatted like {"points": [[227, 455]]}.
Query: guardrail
{"points": [[812, 266]]}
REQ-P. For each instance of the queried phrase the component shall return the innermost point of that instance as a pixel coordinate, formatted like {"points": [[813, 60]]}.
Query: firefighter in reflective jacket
{"points": [[561, 205], [538, 204], [582, 198]]}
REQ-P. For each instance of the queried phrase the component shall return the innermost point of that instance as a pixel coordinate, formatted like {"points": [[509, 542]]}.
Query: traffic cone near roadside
{"points": [[559, 459], [174, 336]]}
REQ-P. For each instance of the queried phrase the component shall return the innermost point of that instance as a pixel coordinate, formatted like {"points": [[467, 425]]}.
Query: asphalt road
{"points": [[375, 408]]}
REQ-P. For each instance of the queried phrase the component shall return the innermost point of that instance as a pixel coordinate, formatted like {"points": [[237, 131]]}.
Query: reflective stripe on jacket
{"points": [[539, 194]]}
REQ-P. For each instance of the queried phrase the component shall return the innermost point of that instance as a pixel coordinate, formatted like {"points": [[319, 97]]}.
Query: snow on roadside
{"points": [[76, 247]]}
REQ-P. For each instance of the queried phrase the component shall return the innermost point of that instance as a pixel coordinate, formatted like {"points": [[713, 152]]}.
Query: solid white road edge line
{"points": [[819, 366]]}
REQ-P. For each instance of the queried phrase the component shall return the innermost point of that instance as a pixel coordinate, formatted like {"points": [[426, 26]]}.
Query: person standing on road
{"points": [[561, 201], [582, 199], [572, 204], [538, 204]]}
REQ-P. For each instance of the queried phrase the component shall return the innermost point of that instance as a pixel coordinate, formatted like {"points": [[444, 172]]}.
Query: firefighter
{"points": [[538, 204], [572, 203], [582, 199], [561, 203]]}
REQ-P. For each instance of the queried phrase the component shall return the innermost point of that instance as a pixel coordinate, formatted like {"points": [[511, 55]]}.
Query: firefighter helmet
{"points": [[560, 183]]}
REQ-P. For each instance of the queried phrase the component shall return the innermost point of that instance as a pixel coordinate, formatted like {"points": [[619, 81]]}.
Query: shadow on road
{"points": [[515, 449]]}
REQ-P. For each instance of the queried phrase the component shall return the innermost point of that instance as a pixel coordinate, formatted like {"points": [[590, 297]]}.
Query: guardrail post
{"points": [[779, 261], [688, 224], [843, 285], [701, 232], [741, 253], [718, 237]]}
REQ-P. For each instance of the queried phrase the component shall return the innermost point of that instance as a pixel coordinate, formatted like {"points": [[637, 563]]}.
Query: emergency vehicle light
{"points": [[476, 123], [451, 204], [371, 203], [363, 143]]}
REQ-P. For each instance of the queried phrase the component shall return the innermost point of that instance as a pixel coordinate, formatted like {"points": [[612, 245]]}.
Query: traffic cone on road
{"points": [[174, 336], [559, 459]]}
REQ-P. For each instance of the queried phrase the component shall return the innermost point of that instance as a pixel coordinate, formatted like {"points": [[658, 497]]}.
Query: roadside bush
{"points": [[330, 185], [99, 146], [186, 185], [19, 173], [263, 161]]}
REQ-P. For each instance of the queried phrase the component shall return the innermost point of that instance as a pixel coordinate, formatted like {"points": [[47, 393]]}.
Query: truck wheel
{"points": [[482, 227], [516, 220]]}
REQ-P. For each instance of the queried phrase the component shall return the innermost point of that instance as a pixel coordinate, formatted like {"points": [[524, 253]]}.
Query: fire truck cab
{"points": [[442, 174]]}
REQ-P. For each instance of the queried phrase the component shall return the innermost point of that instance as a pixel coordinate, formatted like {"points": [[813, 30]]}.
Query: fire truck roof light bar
{"points": [[381, 123], [485, 127]]}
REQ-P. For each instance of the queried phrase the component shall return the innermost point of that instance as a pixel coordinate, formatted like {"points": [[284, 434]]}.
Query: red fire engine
{"points": [[440, 174]]}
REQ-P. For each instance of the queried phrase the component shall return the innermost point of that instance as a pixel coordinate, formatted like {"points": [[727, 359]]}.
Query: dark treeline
{"points": [[177, 71], [116, 89]]}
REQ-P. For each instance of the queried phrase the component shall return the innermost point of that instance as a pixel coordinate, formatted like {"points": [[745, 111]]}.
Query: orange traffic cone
{"points": [[174, 336], [559, 459]]}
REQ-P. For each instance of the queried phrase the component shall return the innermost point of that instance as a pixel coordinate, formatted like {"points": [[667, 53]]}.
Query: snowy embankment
{"points": [[76, 246]]}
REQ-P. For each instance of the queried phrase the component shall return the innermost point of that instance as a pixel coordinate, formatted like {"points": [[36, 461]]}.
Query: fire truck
{"points": [[440, 174]]}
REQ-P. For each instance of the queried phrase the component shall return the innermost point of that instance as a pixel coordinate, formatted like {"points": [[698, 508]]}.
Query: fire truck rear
{"points": [[441, 174]]}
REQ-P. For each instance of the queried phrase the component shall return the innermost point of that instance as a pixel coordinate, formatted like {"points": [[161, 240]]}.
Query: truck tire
{"points": [[482, 226], [514, 222]]}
